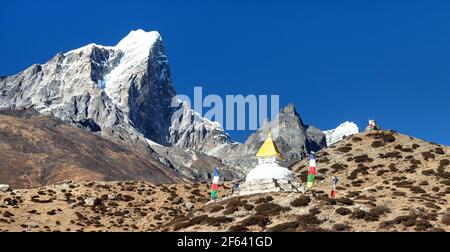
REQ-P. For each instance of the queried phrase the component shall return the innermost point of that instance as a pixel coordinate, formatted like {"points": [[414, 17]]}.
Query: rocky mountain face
{"points": [[294, 138], [345, 129], [387, 182], [194, 164], [37, 150], [190, 130], [122, 92]]}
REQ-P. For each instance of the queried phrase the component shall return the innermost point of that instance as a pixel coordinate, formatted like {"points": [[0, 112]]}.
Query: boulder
{"points": [[4, 188], [189, 205], [112, 196], [177, 200], [92, 201]]}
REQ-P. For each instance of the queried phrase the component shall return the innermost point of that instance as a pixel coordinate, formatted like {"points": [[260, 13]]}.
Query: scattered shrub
{"points": [[424, 183], [398, 193], [379, 210], [393, 154], [301, 201], [362, 159], [428, 172], [323, 160], [217, 221], [392, 168], [428, 155], [406, 220], [422, 225], [344, 149], [230, 210], [343, 211], [358, 214], [372, 215], [267, 209], [404, 184], [253, 220], [436, 230], [386, 224], [357, 183], [216, 208], [327, 200], [308, 219], [237, 228], [417, 189], [377, 144], [400, 148], [381, 172], [285, 227], [323, 170], [356, 139], [444, 162], [446, 219], [263, 200], [388, 138], [338, 167], [345, 201], [439, 151], [446, 182], [314, 211], [353, 194], [340, 227], [197, 220], [411, 169]]}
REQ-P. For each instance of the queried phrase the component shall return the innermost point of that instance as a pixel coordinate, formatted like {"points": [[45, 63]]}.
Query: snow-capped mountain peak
{"points": [[138, 40], [345, 129], [119, 89]]}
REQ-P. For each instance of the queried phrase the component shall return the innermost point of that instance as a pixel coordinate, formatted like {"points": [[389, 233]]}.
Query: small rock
{"points": [[189, 205], [112, 196], [64, 186], [177, 200], [4, 188], [91, 201]]}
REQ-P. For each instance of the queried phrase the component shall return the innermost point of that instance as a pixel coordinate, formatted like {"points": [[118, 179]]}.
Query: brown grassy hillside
{"points": [[388, 182], [38, 150]]}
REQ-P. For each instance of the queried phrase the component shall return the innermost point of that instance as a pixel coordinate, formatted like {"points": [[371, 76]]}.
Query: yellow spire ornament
{"points": [[269, 149]]}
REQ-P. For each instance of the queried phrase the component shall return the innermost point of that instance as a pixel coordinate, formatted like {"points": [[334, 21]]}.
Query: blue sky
{"points": [[335, 60]]}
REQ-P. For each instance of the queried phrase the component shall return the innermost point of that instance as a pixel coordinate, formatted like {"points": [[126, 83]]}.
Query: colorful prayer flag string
{"points": [[333, 190], [312, 171], [215, 184]]}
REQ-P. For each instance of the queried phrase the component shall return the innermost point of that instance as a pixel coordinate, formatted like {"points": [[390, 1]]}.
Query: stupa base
{"points": [[269, 185]]}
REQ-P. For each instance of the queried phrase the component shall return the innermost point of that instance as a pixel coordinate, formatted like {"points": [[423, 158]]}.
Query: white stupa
{"points": [[269, 158], [268, 175]]}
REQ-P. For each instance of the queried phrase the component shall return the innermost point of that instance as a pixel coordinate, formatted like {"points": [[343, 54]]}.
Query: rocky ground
{"points": [[388, 182]]}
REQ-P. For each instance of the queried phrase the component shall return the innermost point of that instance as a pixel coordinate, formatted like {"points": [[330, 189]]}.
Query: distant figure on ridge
{"points": [[372, 126]]}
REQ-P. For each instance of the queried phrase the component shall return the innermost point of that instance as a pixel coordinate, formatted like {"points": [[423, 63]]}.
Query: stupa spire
{"points": [[269, 148]]}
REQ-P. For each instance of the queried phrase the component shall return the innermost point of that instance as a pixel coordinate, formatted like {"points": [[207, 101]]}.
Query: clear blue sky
{"points": [[336, 60]]}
